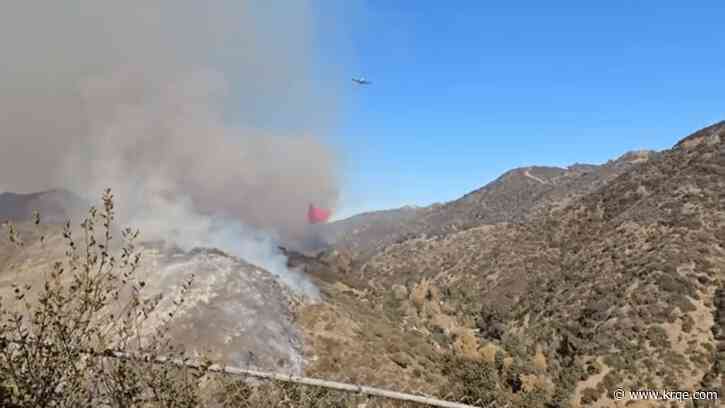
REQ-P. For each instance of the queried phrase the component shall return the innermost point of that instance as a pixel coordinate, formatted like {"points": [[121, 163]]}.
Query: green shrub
{"points": [[590, 396], [471, 382]]}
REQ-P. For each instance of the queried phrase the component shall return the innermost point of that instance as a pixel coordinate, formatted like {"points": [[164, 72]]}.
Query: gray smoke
{"points": [[206, 118]]}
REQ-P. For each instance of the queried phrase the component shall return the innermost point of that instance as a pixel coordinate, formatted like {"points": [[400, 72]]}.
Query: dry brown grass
{"points": [[62, 332]]}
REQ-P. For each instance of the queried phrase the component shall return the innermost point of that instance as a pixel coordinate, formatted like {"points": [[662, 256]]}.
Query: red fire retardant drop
{"points": [[317, 215]]}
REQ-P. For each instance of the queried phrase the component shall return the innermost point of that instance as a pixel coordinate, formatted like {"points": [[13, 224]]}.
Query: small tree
{"points": [[58, 341]]}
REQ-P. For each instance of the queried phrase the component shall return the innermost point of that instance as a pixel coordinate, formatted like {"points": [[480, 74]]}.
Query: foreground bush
{"points": [[55, 340]]}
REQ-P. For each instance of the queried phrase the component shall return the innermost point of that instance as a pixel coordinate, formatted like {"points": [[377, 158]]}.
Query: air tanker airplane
{"points": [[361, 81]]}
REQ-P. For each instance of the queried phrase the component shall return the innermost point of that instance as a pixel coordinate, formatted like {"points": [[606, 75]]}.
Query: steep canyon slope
{"points": [[610, 284]]}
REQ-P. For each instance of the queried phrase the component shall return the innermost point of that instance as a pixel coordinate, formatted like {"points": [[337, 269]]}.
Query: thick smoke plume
{"points": [[206, 118]]}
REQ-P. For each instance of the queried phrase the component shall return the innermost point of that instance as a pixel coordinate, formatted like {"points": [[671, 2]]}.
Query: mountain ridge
{"points": [[514, 196]]}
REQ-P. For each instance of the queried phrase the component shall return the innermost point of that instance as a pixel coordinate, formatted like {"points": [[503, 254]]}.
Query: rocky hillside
{"points": [[610, 286], [238, 311]]}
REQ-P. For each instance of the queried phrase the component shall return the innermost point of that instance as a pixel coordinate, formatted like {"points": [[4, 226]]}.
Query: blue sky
{"points": [[466, 90]]}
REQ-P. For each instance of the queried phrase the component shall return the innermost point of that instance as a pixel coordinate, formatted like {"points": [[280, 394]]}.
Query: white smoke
{"points": [[175, 221], [135, 96]]}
